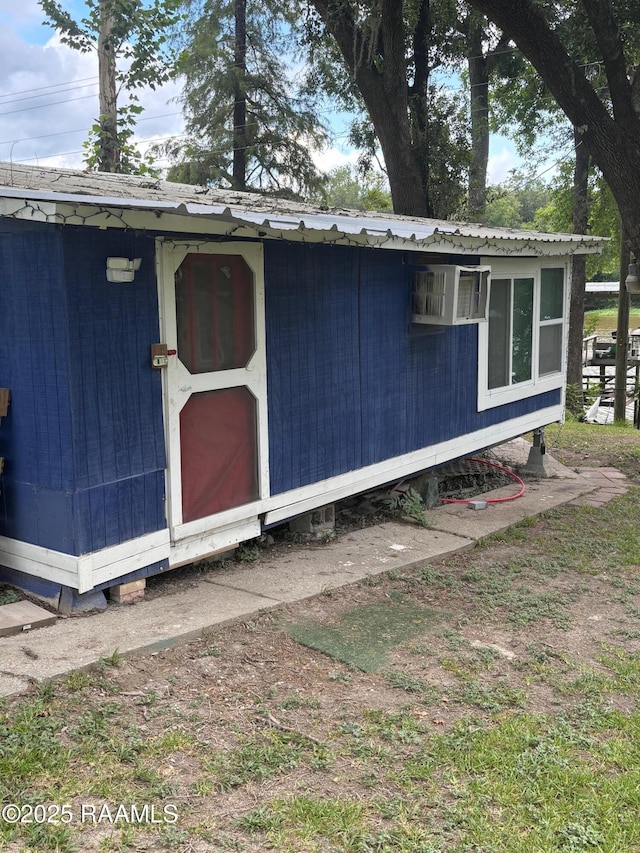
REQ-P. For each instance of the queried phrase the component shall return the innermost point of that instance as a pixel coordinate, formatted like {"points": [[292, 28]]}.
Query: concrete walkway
{"points": [[239, 590]]}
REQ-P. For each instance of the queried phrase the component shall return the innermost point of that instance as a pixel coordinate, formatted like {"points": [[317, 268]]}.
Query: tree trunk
{"points": [[622, 338], [578, 275], [109, 149], [479, 102], [613, 142], [408, 195], [383, 86], [240, 100], [417, 102]]}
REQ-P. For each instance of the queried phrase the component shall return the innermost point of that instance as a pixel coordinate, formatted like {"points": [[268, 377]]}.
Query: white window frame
{"points": [[512, 268]]}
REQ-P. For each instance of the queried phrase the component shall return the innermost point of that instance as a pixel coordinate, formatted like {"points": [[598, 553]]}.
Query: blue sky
{"points": [[49, 99]]}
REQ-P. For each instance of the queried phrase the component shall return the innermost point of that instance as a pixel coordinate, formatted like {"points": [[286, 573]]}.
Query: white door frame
{"points": [[179, 384]]}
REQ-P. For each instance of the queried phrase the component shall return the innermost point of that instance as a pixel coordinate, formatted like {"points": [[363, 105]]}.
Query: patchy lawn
{"points": [[502, 717]]}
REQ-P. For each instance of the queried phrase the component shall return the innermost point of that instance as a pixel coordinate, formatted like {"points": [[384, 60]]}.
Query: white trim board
{"points": [[88, 570], [213, 541], [159, 216], [297, 501], [85, 572]]}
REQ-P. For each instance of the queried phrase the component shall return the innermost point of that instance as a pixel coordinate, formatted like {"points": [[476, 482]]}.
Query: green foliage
{"points": [[400, 680], [521, 202], [409, 503], [131, 161], [516, 202], [137, 38], [260, 757], [504, 209], [114, 659], [435, 133], [30, 747], [604, 221], [8, 595], [521, 105], [345, 187], [282, 125], [446, 153]]}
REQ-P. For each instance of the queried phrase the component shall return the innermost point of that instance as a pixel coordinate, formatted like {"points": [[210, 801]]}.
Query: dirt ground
{"points": [[239, 666]]}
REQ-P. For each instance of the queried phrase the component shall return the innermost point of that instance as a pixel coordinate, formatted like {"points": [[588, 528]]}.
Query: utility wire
{"points": [[50, 104], [79, 130], [50, 86], [35, 97]]}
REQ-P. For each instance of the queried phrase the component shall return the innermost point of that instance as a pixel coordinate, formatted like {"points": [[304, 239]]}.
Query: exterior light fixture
{"points": [[632, 282], [122, 269]]}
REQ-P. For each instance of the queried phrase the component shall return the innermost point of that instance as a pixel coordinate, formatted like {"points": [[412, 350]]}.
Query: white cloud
{"points": [[47, 100], [501, 164], [331, 158]]}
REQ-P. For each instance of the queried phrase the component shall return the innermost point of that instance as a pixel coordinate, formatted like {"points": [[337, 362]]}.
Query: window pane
{"points": [[551, 294], [201, 341], [225, 313], [499, 332], [522, 330], [214, 312], [472, 294], [550, 360]]}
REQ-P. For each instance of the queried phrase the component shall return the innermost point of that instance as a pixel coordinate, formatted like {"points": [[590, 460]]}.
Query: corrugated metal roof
{"points": [[274, 216]]}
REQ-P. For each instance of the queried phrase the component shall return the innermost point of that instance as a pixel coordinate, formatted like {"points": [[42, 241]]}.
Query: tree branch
{"points": [[421, 49], [564, 78], [493, 55], [608, 39], [353, 44]]}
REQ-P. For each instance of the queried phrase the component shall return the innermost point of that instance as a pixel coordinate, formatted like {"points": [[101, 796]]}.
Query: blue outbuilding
{"points": [[188, 367]]}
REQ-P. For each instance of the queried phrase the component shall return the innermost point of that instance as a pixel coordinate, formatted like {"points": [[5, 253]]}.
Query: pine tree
{"points": [[248, 125]]}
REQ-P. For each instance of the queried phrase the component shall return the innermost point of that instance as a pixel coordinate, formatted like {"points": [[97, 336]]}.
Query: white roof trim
{"points": [[57, 195]]}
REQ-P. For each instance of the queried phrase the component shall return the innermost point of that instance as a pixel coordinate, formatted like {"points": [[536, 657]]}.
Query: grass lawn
{"points": [[604, 320], [506, 720]]}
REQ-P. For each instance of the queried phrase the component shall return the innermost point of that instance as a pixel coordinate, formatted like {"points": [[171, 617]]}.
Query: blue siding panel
{"points": [[313, 364], [33, 359], [115, 512], [35, 438], [38, 515], [384, 353], [116, 395], [350, 382], [83, 440]]}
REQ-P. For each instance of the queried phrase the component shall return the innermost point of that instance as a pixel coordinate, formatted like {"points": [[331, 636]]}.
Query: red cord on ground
{"points": [[489, 500]]}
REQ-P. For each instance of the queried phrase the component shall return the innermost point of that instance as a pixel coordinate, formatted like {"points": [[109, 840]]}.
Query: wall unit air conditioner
{"points": [[449, 295]]}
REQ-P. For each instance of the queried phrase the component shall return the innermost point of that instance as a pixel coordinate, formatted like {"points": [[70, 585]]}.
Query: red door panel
{"points": [[218, 452]]}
